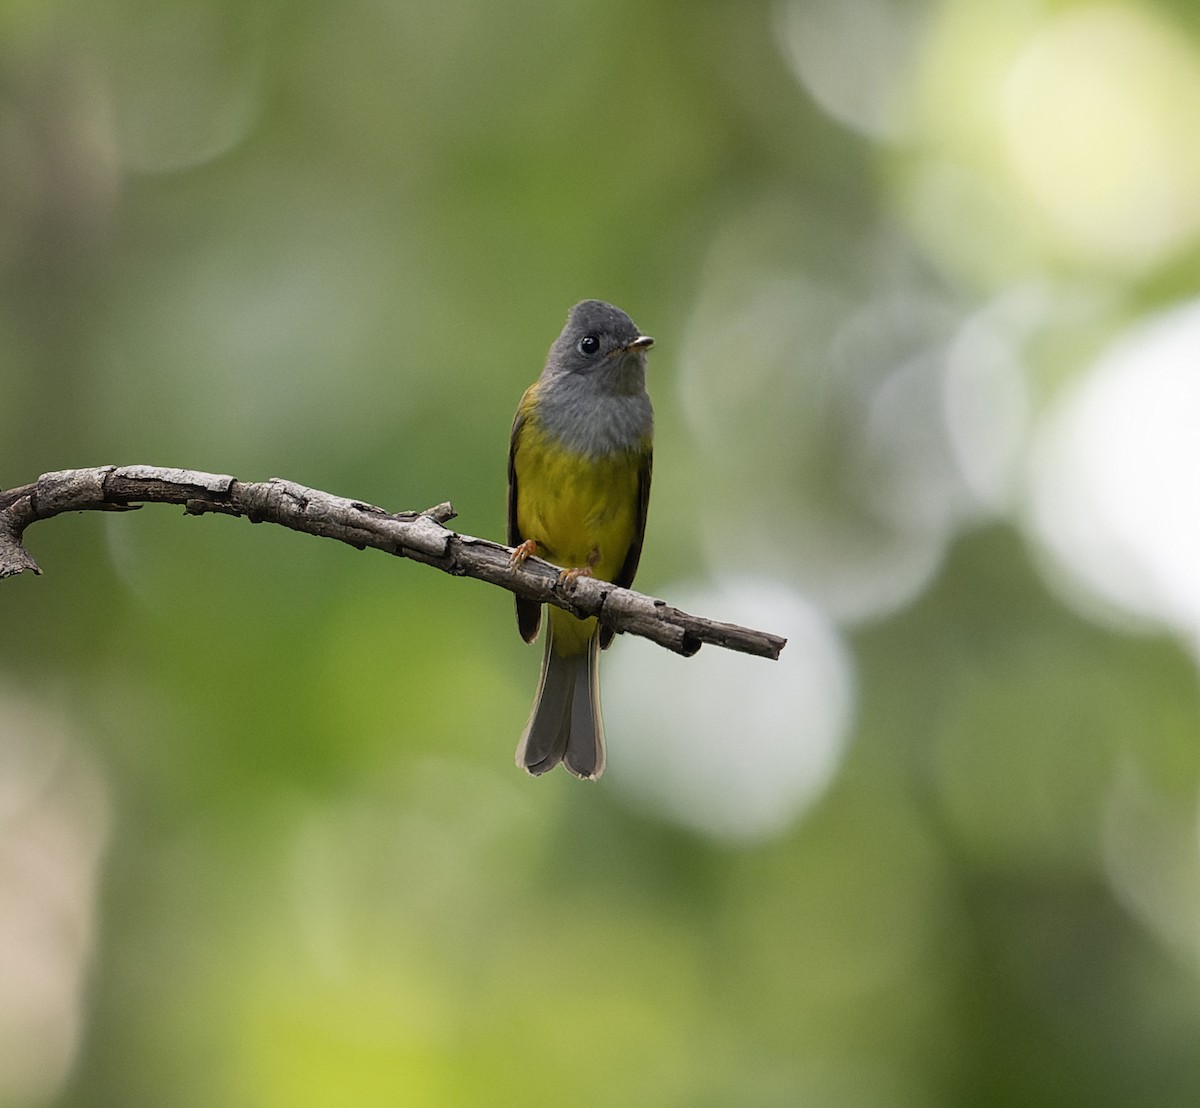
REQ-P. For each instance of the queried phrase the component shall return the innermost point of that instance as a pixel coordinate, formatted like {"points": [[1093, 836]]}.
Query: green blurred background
{"points": [[922, 276]]}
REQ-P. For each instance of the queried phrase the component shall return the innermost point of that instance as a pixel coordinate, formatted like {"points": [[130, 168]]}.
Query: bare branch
{"points": [[420, 536]]}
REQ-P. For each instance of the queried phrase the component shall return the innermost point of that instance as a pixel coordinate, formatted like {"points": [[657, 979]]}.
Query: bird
{"points": [[579, 465]]}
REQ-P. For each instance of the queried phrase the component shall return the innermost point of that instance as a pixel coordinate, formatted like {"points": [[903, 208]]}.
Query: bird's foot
{"points": [[522, 553], [570, 576]]}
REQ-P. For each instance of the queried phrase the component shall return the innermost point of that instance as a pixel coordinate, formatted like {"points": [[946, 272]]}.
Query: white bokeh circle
{"points": [[733, 746]]}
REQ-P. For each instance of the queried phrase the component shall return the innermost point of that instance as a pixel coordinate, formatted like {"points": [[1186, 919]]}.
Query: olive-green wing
{"points": [[529, 612], [629, 567]]}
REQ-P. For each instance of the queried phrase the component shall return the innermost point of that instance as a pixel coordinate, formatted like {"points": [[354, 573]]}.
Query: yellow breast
{"points": [[581, 511]]}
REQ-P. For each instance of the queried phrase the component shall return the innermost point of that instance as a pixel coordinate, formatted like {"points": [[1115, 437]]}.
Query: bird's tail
{"points": [[565, 724]]}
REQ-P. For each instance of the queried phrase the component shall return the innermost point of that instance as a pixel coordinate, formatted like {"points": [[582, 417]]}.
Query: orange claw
{"points": [[570, 576], [522, 553]]}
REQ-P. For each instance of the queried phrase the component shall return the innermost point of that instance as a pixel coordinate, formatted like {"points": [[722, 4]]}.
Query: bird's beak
{"points": [[642, 342]]}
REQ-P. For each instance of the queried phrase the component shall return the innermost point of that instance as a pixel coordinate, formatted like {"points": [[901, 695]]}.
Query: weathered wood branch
{"points": [[420, 536]]}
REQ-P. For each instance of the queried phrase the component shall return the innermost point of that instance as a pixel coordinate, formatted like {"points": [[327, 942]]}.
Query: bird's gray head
{"points": [[601, 341]]}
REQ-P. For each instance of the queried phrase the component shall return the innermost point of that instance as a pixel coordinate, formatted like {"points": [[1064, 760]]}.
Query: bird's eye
{"points": [[589, 344]]}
